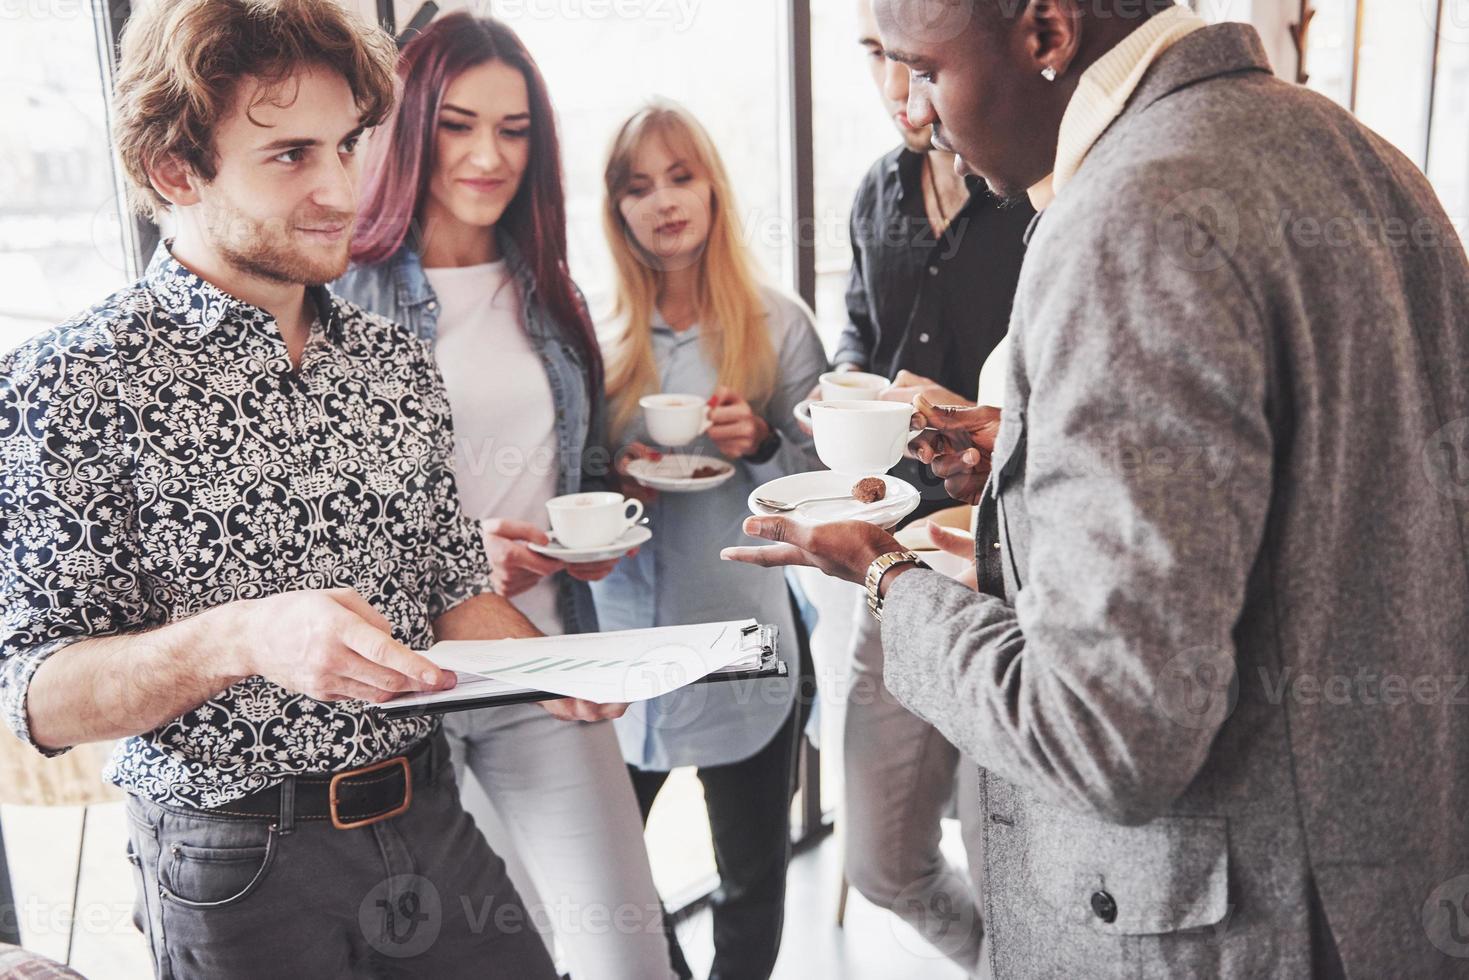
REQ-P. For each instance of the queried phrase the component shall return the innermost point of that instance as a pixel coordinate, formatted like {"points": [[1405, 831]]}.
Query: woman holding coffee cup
{"points": [[461, 238], [707, 357]]}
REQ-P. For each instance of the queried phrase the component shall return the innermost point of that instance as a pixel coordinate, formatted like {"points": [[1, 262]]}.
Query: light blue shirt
{"points": [[678, 578]]}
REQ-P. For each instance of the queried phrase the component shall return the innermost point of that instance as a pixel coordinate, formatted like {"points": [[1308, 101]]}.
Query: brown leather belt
{"points": [[354, 798]]}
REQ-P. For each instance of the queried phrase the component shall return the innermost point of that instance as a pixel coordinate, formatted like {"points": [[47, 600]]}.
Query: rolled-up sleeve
{"points": [[1146, 482], [68, 560]]}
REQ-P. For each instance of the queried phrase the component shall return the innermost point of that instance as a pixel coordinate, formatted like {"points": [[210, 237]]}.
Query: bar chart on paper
{"points": [[624, 666]]}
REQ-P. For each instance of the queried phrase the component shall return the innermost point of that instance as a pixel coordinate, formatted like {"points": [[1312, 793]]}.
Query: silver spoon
{"points": [[782, 508]]}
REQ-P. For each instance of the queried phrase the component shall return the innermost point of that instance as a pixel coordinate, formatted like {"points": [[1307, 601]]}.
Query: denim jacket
{"points": [[398, 289]]}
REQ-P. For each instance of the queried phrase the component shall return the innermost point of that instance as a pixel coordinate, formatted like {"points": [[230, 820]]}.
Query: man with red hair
{"points": [[227, 520]]}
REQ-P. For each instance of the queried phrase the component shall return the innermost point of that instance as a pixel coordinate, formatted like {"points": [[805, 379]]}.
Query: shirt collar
{"points": [[1042, 193], [906, 169], [662, 326], [186, 297], [1109, 83], [193, 301]]}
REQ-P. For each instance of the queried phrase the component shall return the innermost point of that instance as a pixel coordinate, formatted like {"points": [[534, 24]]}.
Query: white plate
{"points": [[671, 473], [632, 538], [902, 499]]}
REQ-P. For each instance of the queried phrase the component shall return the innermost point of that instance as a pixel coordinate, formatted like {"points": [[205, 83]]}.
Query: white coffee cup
{"points": [[590, 520], [675, 420], [860, 438], [841, 386]]}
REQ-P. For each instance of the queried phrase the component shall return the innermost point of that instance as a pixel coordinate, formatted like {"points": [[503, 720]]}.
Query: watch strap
{"points": [[879, 568]]}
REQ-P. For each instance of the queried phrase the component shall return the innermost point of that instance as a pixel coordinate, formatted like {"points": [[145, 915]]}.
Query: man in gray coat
{"points": [[1217, 672]]}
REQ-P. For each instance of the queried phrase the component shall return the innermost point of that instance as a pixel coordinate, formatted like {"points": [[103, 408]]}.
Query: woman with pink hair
{"points": [[462, 239]]}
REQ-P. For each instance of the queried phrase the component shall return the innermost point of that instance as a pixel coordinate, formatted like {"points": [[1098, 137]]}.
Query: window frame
{"points": [[140, 235]]}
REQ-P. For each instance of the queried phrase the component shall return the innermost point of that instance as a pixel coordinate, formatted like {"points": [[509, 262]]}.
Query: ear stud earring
{"points": [[1048, 73]]}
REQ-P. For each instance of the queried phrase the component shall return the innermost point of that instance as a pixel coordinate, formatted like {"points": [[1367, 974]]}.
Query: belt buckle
{"points": [[397, 760]]}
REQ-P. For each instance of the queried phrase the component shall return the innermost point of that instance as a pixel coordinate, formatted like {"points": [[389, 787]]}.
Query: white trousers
{"points": [[562, 813]]}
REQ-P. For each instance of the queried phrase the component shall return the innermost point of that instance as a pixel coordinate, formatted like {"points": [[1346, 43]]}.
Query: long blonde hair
{"points": [[729, 304]]}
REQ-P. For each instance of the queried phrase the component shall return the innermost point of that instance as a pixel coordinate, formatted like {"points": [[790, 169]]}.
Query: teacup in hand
{"points": [[860, 438], [591, 520], [842, 386], [675, 420]]}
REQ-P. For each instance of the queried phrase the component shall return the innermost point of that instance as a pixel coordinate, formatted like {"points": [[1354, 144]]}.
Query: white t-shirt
{"points": [[993, 375], [504, 415]]}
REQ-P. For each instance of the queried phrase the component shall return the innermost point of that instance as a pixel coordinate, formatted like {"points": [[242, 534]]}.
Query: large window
{"points": [[1448, 154], [1394, 72], [721, 60], [61, 243], [850, 131], [725, 61], [1403, 67], [1331, 49]]}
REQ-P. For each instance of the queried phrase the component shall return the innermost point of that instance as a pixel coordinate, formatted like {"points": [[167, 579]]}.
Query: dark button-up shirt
{"points": [[162, 456], [935, 305]]}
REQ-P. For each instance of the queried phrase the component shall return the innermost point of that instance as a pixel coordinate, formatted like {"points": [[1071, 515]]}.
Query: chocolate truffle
{"points": [[870, 489]]}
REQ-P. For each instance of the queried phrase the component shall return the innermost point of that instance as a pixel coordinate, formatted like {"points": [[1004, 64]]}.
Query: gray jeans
{"points": [[419, 895]]}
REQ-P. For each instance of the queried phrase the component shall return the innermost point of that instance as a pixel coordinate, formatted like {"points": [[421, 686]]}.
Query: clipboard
{"points": [[764, 638]]}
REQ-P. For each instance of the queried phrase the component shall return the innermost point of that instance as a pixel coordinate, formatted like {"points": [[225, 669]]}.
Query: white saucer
{"points": [[631, 538], [901, 500], [671, 473]]}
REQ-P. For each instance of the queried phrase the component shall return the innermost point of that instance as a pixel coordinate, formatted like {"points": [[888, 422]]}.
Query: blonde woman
{"points": [[693, 317]]}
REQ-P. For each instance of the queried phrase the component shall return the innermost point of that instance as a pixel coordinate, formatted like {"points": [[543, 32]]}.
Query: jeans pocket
{"points": [[200, 876]]}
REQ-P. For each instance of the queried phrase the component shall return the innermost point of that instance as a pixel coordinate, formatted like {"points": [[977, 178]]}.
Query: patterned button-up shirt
{"points": [[160, 455]]}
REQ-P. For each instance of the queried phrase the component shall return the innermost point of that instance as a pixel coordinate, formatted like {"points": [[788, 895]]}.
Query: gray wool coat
{"points": [[1219, 693]]}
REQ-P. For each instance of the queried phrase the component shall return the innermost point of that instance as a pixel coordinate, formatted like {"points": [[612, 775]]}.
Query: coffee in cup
{"points": [[860, 438], [675, 420], [591, 520]]}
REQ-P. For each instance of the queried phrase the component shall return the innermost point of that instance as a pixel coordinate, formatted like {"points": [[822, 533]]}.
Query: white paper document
{"points": [[628, 665]]}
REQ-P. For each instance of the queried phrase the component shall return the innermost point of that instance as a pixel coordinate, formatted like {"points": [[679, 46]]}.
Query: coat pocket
{"points": [[1165, 876]]}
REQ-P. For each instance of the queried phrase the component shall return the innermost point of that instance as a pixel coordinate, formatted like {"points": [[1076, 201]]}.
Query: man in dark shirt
{"points": [[935, 261]]}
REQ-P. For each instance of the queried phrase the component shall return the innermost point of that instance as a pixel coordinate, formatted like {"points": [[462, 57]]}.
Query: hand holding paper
{"points": [[604, 668]]}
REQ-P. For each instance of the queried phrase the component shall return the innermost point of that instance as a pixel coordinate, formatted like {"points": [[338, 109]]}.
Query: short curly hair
{"points": [[181, 60]]}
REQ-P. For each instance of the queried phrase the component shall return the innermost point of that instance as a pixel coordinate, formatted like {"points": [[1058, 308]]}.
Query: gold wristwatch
{"points": [[879, 568]]}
